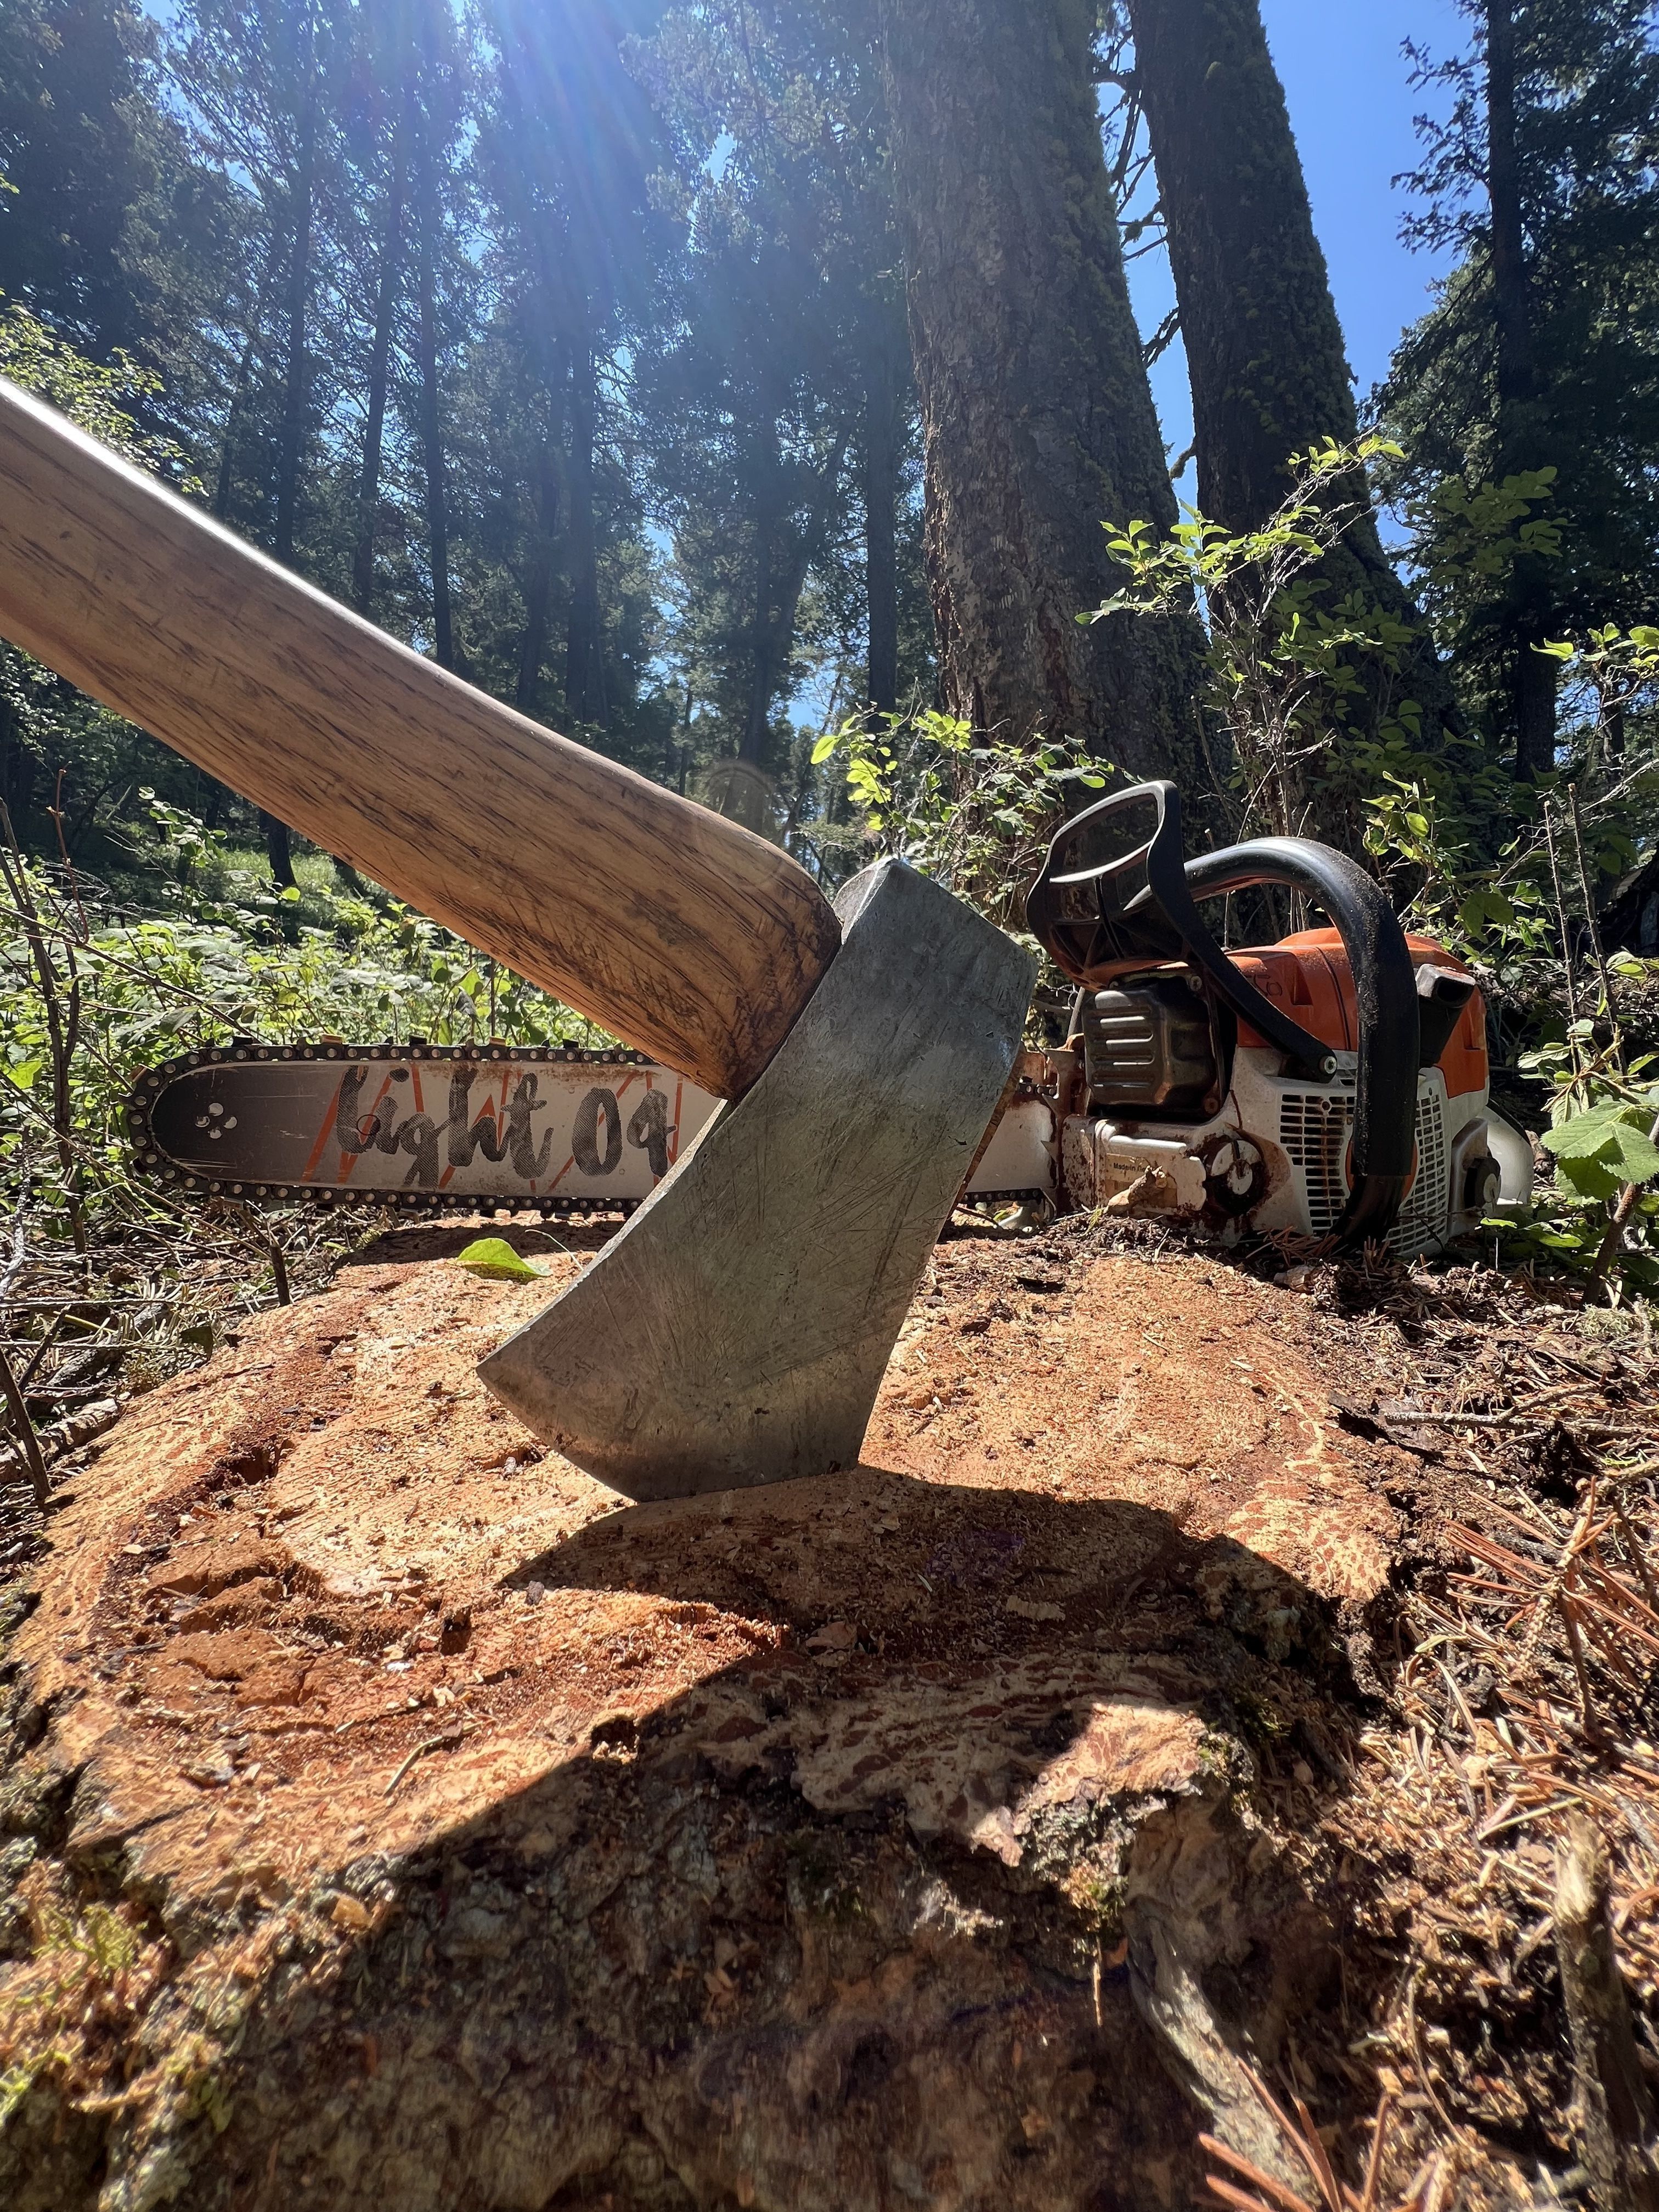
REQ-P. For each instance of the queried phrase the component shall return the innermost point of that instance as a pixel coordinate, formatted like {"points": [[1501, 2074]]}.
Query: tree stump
{"points": [[395, 1817]]}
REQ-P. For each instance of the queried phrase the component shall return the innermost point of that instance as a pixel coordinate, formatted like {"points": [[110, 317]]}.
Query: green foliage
{"points": [[1466, 537], [1601, 1150], [1581, 427], [218, 964], [103, 399], [1310, 735], [975, 816], [1604, 1123]]}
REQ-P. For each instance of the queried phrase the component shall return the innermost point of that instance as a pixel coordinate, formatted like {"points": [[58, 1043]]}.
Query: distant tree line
{"points": [[642, 363]]}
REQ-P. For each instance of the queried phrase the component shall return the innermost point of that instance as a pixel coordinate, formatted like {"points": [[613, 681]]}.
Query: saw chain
{"points": [[417, 1126]]}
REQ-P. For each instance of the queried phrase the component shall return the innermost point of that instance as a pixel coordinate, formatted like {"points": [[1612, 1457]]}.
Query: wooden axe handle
{"points": [[695, 940]]}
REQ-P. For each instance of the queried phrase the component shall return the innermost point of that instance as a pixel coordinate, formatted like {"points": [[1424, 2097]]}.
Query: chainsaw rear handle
{"points": [[1383, 1155], [685, 934]]}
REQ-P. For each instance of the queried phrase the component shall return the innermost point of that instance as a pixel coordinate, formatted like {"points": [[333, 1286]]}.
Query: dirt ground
{"points": [[395, 1815]]}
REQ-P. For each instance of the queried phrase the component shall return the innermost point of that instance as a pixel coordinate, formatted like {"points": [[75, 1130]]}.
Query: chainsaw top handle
{"points": [[1117, 895]]}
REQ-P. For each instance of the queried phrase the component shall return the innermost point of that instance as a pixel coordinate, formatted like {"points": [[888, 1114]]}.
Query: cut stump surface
{"points": [[481, 1840]]}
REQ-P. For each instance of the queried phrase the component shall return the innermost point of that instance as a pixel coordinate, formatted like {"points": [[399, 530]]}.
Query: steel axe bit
{"points": [[736, 1331]]}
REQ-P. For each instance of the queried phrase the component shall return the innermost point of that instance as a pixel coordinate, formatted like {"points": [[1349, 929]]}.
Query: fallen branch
{"points": [[1612, 2109], [66, 1436], [28, 1446]]}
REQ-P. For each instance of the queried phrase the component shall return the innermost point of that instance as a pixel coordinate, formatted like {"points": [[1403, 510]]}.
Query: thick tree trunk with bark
{"points": [[1532, 673], [1265, 350], [584, 667], [385, 307], [1038, 418]]}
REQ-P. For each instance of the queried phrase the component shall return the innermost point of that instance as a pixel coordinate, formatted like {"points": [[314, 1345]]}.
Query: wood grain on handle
{"points": [[688, 936]]}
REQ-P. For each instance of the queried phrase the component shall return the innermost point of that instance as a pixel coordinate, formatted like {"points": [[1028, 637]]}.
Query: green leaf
{"points": [[24, 1073], [825, 746], [494, 1258], [291, 895], [1590, 1177], [1609, 1138]]}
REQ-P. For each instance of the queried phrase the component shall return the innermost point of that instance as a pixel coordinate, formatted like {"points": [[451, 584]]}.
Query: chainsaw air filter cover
{"points": [[1150, 1050]]}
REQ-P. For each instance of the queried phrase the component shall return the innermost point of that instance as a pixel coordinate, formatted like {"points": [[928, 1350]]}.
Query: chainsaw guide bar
{"points": [[418, 1127], [425, 1128]]}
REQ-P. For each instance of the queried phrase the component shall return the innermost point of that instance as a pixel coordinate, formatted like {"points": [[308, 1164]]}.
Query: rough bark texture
{"points": [[1265, 351], [1038, 418], [430, 1832]]}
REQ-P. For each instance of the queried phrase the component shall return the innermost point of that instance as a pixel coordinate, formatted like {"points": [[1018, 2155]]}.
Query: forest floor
{"points": [[1175, 1716]]}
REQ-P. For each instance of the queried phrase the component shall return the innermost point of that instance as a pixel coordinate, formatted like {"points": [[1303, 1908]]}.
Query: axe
{"points": [[735, 1330]]}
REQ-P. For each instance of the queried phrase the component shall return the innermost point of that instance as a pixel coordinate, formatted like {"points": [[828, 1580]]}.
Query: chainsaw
{"points": [[1195, 1083]]}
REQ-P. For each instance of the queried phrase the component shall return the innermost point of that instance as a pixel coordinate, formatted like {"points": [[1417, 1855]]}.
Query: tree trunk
{"points": [[625, 1893], [279, 850], [780, 579], [1265, 351], [538, 578], [278, 844], [432, 444], [1038, 418], [386, 304], [220, 507], [769, 518], [1532, 673], [584, 667], [881, 469], [298, 288]]}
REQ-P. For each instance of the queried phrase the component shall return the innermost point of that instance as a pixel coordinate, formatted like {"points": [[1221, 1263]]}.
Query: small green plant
{"points": [[974, 812], [1306, 691]]}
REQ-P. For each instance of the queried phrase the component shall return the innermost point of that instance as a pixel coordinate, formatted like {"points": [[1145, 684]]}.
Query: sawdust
{"points": [[476, 1827]]}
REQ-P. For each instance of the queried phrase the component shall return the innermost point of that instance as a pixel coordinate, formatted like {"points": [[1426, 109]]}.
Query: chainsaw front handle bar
{"points": [[1112, 899], [686, 935], [1383, 1155]]}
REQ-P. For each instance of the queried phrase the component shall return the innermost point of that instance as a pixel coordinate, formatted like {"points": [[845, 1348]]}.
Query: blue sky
{"points": [[1345, 81]]}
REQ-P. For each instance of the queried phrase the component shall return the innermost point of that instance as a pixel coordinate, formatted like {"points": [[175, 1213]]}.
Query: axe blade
{"points": [[736, 1331]]}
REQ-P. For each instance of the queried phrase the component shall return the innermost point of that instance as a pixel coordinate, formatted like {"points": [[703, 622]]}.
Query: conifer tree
{"points": [[1037, 416], [1538, 368]]}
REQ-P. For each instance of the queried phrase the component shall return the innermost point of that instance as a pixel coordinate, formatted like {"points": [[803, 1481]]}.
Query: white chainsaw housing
{"points": [[1275, 1157]]}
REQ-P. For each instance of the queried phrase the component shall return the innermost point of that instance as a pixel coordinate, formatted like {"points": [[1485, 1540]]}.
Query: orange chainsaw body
{"points": [[1309, 976]]}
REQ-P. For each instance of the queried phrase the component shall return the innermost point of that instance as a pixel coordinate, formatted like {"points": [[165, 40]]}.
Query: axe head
{"points": [[736, 1331]]}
